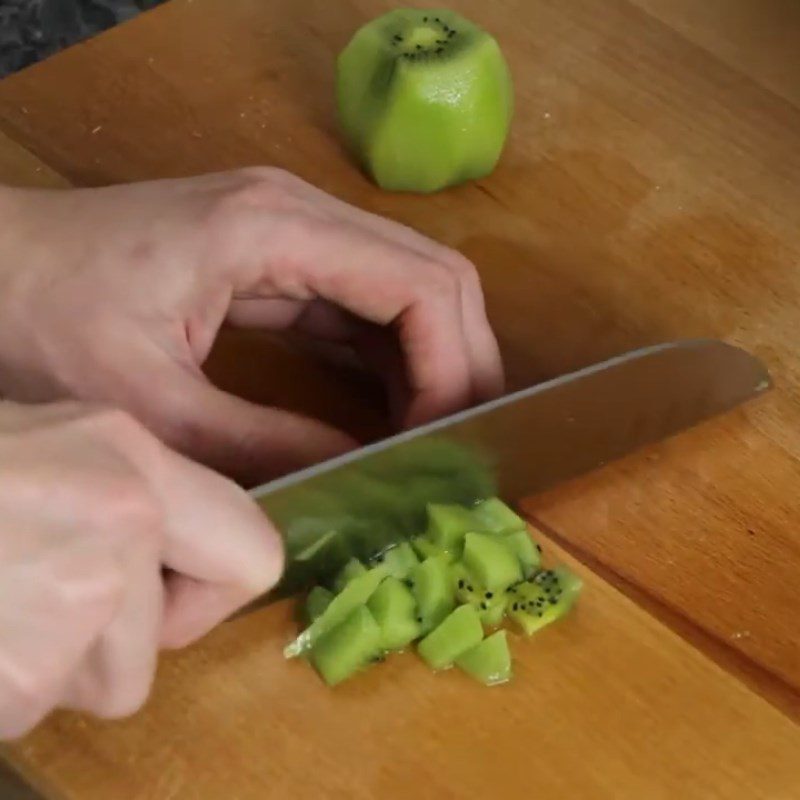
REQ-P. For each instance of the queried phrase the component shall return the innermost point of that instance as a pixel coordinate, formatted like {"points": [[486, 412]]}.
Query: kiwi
{"points": [[488, 662], [348, 647], [526, 551], [547, 597], [432, 587], [459, 632], [447, 526], [425, 548], [492, 563], [352, 569], [355, 594], [491, 606], [399, 560], [395, 610], [494, 516], [425, 99], [319, 598]]}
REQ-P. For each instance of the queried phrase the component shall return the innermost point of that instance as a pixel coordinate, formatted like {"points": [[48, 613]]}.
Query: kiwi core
{"points": [[432, 35]]}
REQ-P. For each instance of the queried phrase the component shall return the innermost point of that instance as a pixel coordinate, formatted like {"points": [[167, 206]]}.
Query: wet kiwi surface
{"points": [[425, 99], [472, 569]]}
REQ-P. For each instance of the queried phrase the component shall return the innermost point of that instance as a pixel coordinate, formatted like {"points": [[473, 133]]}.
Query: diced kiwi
{"points": [[352, 569], [448, 524], [526, 551], [399, 560], [425, 548], [491, 606], [319, 598], [355, 594], [432, 587], [494, 516], [395, 610], [548, 596], [459, 632], [490, 561], [488, 662], [348, 647], [425, 99]]}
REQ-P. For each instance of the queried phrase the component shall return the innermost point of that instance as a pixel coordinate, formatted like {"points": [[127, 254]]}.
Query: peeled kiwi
{"points": [[425, 99]]}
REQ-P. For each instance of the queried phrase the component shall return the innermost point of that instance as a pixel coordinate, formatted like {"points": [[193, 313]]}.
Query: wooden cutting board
{"points": [[650, 191]]}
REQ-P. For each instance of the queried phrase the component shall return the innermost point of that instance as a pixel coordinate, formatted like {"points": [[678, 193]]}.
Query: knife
{"points": [[364, 501]]}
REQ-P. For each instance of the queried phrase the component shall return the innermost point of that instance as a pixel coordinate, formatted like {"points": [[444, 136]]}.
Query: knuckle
{"points": [[441, 281], [462, 267]]}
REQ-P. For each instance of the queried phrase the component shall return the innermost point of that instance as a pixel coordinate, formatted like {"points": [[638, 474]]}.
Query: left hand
{"points": [[117, 294]]}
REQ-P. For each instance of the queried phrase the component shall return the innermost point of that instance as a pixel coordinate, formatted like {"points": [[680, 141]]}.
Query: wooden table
{"points": [[650, 191]]}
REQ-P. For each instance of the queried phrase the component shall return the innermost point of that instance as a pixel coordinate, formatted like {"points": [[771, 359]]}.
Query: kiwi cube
{"points": [[490, 561], [494, 516], [547, 597], [347, 648], [526, 551], [352, 569], [399, 560], [448, 524], [491, 606], [425, 548], [395, 610], [488, 662], [355, 594], [432, 587], [319, 598], [456, 634]]}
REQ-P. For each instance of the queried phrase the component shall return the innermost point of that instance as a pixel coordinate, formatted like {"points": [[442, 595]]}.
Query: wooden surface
{"points": [[650, 191]]}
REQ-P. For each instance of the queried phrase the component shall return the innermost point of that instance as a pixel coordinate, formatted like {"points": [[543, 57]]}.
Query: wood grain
{"points": [[650, 191]]}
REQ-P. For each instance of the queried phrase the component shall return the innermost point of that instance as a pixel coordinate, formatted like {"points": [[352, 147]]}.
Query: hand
{"points": [[92, 508], [117, 294]]}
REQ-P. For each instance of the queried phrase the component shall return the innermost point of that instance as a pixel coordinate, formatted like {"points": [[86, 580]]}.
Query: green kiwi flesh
{"points": [[425, 99], [488, 662], [347, 648], [395, 610], [478, 566], [547, 597], [456, 634]]}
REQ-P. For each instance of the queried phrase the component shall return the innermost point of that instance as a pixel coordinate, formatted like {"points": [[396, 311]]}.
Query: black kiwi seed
{"points": [[515, 607], [470, 589], [553, 601], [489, 595], [451, 33], [424, 19], [440, 49], [419, 619], [539, 548], [461, 583], [484, 606]]}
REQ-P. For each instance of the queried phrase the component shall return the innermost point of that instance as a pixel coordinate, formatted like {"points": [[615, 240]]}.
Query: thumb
{"points": [[246, 441]]}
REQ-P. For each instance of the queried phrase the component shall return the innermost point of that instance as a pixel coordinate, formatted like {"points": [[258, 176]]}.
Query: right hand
{"points": [[111, 546]]}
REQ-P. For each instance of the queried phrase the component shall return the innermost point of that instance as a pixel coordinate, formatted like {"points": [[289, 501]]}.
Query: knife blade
{"points": [[523, 443]]}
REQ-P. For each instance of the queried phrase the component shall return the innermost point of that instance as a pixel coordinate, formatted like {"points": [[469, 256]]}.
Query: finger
{"points": [[115, 676], [484, 354], [220, 543], [249, 442], [382, 283], [65, 600]]}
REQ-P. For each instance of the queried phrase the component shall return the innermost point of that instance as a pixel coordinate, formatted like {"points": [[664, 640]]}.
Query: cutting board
{"points": [[649, 192], [607, 704]]}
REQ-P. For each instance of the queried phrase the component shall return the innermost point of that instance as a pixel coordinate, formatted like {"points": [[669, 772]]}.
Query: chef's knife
{"points": [[523, 443]]}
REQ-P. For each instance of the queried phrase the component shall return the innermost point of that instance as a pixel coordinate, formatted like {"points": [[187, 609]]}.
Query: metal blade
{"points": [[517, 445]]}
